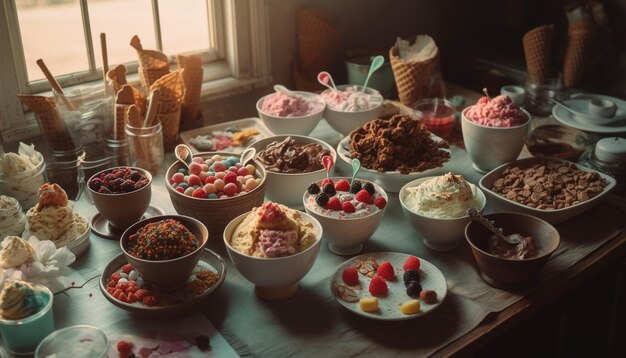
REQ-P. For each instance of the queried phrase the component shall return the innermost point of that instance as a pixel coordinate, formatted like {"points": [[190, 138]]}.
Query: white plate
{"points": [[244, 123], [391, 181], [389, 307], [567, 118]]}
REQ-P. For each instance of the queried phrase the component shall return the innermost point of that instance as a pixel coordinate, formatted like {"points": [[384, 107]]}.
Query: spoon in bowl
{"points": [[285, 90], [247, 155], [514, 239], [377, 63], [183, 154], [356, 166], [326, 80]]}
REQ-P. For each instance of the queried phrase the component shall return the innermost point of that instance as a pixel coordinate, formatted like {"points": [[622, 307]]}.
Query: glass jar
{"points": [[145, 147], [24, 186], [66, 175], [12, 219], [118, 150], [87, 168], [609, 157]]}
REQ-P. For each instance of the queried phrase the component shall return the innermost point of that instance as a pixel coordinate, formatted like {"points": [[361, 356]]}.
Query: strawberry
{"points": [[342, 185], [380, 202], [334, 203], [348, 207], [385, 270], [127, 269], [483, 100], [124, 347], [411, 263], [350, 276], [364, 197], [141, 293], [326, 181], [378, 286]]}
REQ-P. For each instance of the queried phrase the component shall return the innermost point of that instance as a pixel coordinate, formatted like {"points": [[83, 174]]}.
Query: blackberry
{"points": [[356, 187], [127, 186], [313, 189], [414, 289], [370, 188], [411, 276], [203, 342], [321, 199], [135, 175], [330, 189]]}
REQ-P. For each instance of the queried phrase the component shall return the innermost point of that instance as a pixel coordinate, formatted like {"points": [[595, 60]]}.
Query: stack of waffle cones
{"points": [[172, 92], [413, 66], [192, 79], [50, 123], [123, 100], [578, 51], [537, 49], [318, 45], [152, 64], [116, 79]]}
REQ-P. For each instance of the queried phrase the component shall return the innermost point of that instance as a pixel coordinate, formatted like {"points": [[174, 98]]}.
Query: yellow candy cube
{"points": [[368, 304], [410, 307]]}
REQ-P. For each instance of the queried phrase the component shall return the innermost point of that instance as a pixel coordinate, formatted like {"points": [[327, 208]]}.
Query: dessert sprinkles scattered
{"points": [[162, 240]]}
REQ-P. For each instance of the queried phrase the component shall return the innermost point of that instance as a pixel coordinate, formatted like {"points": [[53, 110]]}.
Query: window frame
{"points": [[240, 61]]}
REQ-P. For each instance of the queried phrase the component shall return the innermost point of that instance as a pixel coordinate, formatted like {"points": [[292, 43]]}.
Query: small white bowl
{"points": [[439, 234], [79, 246], [275, 279], [346, 122], [302, 125], [286, 188], [346, 236], [490, 147]]}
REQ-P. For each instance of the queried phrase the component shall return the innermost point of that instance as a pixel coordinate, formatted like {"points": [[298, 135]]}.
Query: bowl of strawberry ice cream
{"points": [[494, 131], [349, 212], [349, 107], [293, 112]]}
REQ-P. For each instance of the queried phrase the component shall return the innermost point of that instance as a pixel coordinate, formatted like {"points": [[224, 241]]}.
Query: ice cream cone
{"points": [[577, 54], [120, 119], [412, 77], [313, 21], [537, 49], [166, 107], [317, 52], [134, 117], [170, 123], [171, 86], [192, 80], [52, 127], [149, 59], [125, 95], [117, 77]]}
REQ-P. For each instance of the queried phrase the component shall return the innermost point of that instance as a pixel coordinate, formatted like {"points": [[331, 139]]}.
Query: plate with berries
{"points": [[389, 286], [123, 286]]}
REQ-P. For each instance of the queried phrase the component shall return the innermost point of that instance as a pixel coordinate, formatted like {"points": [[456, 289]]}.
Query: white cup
{"points": [[516, 93], [601, 108]]}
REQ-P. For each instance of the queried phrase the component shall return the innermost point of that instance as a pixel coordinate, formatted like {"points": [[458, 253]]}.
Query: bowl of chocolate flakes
{"points": [[394, 152]]}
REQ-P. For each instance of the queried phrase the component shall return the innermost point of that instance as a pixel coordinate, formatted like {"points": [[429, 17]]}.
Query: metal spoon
{"points": [[514, 239], [566, 107], [247, 155], [377, 63], [183, 154]]}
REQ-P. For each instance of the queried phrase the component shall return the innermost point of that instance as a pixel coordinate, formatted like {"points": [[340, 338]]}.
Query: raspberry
{"points": [[364, 197], [127, 186], [124, 347], [355, 187], [104, 190], [385, 270], [413, 289], [95, 184], [334, 203], [116, 184], [348, 207], [127, 268], [329, 189], [411, 263], [378, 286], [135, 175], [410, 276], [327, 181], [350, 276], [321, 199], [380, 202], [342, 185], [313, 189], [370, 188], [483, 100]]}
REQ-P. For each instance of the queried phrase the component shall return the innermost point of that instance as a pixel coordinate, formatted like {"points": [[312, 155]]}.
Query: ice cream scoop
{"points": [[19, 300], [15, 252], [443, 197]]}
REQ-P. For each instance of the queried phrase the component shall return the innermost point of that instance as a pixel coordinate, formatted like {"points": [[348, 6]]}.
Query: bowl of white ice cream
{"points": [[436, 208], [349, 107]]}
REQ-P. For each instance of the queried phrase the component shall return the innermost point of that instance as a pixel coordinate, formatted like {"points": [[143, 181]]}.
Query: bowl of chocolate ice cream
{"points": [[512, 265], [291, 163]]}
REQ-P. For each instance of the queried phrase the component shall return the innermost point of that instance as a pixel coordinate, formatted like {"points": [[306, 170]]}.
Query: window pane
{"points": [[120, 20], [52, 31], [184, 26]]}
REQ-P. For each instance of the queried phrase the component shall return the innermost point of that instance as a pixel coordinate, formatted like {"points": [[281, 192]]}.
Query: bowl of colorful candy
{"points": [[165, 249], [216, 188], [121, 194]]}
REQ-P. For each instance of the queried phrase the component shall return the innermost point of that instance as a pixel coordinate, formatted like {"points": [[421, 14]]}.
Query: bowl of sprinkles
{"points": [[165, 249]]}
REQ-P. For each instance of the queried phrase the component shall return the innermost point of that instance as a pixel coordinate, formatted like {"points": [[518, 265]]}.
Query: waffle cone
{"points": [[52, 127], [412, 77], [537, 49], [149, 59], [191, 101], [140, 100], [125, 95], [117, 77], [577, 54], [317, 52], [189, 62], [313, 21], [303, 82], [170, 123], [166, 107], [171, 86], [120, 119], [149, 77]]}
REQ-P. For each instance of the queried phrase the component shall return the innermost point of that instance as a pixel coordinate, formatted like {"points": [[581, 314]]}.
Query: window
{"points": [[231, 36]]}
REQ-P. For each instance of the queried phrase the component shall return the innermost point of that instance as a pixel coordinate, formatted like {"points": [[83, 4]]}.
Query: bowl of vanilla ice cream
{"points": [[349, 107], [291, 112], [436, 208]]}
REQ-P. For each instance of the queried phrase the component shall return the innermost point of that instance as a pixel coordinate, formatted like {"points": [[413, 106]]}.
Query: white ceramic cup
{"points": [[601, 108], [517, 94]]}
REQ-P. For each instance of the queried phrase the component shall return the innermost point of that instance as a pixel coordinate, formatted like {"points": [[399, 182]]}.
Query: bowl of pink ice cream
{"points": [[293, 112], [494, 131], [349, 107]]}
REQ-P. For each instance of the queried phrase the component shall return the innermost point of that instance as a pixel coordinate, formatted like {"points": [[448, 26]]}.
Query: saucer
{"points": [[101, 227], [564, 117], [172, 303]]}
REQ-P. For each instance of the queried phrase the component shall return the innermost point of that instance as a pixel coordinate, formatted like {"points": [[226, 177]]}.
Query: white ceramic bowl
{"points": [[274, 278], [500, 203], [286, 188], [346, 236], [439, 234], [345, 122], [391, 181], [79, 246], [302, 125], [490, 147]]}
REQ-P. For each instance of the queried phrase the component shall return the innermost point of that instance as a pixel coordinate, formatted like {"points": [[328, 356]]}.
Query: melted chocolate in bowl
{"points": [[291, 158]]}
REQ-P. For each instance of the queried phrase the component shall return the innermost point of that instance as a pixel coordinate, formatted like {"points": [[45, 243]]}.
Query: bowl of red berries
{"points": [[121, 194], [349, 211], [216, 188]]}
